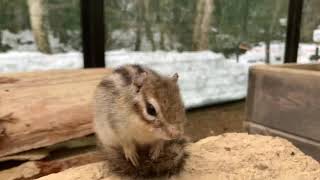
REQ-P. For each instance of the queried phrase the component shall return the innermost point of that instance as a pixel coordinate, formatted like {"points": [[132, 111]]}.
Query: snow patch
{"points": [[33, 61], [205, 77], [24, 41]]}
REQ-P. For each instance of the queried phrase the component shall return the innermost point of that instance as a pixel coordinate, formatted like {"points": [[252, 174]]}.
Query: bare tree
{"points": [[139, 17], [200, 38], [39, 24], [271, 29], [147, 24]]}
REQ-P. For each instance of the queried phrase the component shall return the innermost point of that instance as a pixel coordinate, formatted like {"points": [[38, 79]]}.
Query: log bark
{"points": [[46, 108], [26, 156], [228, 156], [35, 169]]}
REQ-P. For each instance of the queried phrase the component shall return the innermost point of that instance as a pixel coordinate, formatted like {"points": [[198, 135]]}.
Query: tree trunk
{"points": [[162, 36], [147, 24], [39, 24], [0, 41], [200, 39], [244, 32], [138, 39], [268, 51], [108, 39], [161, 25], [19, 20], [271, 29], [139, 9]]}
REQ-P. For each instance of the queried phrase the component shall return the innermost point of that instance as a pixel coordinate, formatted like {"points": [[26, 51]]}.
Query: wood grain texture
{"points": [[286, 98], [308, 146], [35, 169], [46, 107], [227, 156]]}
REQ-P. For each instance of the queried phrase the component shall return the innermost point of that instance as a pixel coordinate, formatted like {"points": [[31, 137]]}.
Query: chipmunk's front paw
{"points": [[154, 154], [132, 156], [156, 150]]}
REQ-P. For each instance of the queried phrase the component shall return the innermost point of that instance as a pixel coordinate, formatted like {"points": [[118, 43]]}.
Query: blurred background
{"points": [[211, 43], [239, 29]]}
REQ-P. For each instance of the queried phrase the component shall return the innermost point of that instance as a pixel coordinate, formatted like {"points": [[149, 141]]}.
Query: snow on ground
{"points": [[24, 41], [257, 54], [15, 61], [305, 52], [205, 77]]}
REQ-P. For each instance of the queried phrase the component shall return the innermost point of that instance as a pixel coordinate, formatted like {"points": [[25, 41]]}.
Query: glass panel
{"points": [[39, 35], [182, 35], [210, 43], [239, 29], [310, 32]]}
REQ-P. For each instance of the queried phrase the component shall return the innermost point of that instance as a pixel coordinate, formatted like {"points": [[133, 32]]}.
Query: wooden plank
{"points": [[284, 98], [287, 99], [308, 67], [251, 93], [47, 107], [309, 147], [296, 69]]}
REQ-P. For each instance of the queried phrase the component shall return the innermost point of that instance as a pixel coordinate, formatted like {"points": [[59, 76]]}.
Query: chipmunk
{"points": [[135, 106]]}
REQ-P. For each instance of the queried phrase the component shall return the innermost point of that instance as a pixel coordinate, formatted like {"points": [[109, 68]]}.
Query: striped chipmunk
{"points": [[135, 106]]}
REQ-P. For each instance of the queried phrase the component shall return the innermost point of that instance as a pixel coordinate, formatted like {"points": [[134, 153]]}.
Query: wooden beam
{"points": [[283, 101]]}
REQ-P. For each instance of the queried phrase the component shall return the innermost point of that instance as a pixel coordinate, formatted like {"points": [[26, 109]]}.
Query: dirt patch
{"points": [[215, 120], [227, 156]]}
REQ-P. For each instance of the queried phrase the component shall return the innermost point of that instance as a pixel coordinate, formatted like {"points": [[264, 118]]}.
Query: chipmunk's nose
{"points": [[174, 132]]}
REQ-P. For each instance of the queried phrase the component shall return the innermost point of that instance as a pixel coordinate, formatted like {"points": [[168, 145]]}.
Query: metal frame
{"points": [[293, 31], [93, 34], [93, 37]]}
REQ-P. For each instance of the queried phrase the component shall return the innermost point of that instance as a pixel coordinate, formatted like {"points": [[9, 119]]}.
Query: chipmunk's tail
{"points": [[170, 161]]}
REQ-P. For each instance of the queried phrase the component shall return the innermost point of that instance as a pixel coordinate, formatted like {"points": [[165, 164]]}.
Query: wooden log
{"points": [[46, 107], [35, 169], [38, 154], [32, 155]]}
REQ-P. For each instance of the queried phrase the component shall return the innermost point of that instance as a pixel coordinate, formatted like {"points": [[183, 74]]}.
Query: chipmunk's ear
{"points": [[175, 77], [139, 80]]}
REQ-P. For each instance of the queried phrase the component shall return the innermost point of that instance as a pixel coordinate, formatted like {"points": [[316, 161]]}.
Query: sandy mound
{"points": [[228, 156]]}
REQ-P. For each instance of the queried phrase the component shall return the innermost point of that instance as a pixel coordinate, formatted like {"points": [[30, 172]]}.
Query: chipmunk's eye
{"points": [[151, 110]]}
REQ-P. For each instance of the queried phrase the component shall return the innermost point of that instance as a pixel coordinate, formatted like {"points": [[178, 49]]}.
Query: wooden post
{"points": [[92, 23], [293, 30]]}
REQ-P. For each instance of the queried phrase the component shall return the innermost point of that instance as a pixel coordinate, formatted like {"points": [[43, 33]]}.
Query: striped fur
{"points": [[123, 119]]}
